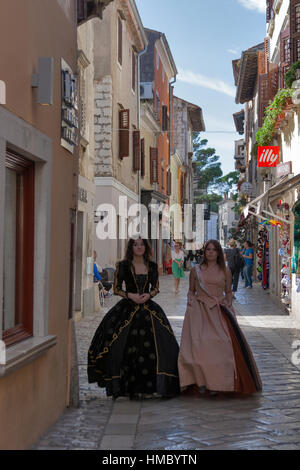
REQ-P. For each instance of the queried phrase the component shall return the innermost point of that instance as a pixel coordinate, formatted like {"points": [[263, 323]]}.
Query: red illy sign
{"points": [[268, 157]]}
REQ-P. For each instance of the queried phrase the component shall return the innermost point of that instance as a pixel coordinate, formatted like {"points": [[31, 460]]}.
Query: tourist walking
{"points": [[248, 258], [214, 355], [134, 351], [235, 263], [177, 265]]}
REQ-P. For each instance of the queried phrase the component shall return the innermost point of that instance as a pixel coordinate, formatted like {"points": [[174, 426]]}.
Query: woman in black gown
{"points": [[134, 350]]}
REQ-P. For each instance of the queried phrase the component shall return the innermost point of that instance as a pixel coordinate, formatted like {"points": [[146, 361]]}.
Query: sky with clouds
{"points": [[204, 37]]}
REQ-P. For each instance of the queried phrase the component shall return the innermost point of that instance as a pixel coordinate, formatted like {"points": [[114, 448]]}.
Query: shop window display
{"points": [[296, 249], [263, 262], [285, 253]]}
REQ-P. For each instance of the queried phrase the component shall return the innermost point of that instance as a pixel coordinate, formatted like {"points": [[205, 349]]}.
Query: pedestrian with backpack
{"points": [[235, 263]]}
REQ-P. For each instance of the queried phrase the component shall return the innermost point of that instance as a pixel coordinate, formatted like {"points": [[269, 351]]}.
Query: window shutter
{"points": [[263, 91], [153, 165], [285, 54], [124, 133], [169, 183], [120, 40], [182, 189], [136, 145], [261, 63], [295, 29], [164, 118], [142, 158], [273, 80]]}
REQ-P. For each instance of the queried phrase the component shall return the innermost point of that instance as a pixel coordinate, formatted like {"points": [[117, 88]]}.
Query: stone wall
{"points": [[103, 127]]}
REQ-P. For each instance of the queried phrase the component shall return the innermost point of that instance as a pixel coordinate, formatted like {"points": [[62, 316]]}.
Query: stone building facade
{"points": [[118, 41]]}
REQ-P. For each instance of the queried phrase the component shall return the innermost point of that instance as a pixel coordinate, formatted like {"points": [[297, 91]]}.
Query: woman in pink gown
{"points": [[214, 354]]}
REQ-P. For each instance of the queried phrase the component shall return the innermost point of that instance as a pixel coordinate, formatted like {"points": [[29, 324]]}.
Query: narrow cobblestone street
{"points": [[270, 420]]}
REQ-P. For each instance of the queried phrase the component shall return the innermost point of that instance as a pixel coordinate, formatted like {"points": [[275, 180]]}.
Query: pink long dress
{"points": [[210, 352]]}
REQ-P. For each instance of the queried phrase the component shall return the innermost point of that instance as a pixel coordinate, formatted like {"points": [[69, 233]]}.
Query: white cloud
{"points": [[258, 5], [206, 82], [233, 51]]}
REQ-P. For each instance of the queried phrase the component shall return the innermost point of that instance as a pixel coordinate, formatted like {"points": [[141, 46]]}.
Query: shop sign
{"points": [[283, 169], [82, 195], [2, 92], [246, 188], [268, 157], [69, 110]]}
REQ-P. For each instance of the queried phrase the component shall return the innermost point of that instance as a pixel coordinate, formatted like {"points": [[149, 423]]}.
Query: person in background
{"points": [[248, 257], [233, 258], [177, 265], [242, 270], [104, 285]]}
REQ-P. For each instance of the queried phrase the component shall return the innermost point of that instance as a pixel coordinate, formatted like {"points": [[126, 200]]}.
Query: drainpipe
{"points": [[170, 84], [139, 120]]}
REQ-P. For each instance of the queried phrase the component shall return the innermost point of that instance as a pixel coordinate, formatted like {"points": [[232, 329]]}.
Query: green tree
{"points": [[207, 165], [212, 199], [226, 183]]}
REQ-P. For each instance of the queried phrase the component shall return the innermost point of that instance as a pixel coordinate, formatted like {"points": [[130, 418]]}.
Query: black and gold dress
{"points": [[134, 350]]}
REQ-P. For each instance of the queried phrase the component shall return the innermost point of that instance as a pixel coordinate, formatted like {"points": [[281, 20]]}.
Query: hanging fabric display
{"points": [[296, 249], [285, 254], [266, 264], [263, 257]]}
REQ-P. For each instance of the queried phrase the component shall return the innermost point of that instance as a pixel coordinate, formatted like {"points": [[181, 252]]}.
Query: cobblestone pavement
{"points": [[269, 420]]}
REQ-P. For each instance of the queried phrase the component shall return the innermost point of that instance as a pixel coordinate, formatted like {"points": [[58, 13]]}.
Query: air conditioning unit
{"points": [[146, 91]]}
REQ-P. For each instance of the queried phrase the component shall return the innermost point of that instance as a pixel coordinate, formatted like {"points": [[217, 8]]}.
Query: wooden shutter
{"points": [[263, 94], [295, 30], [124, 133], [285, 55], [261, 63], [136, 145], [142, 158], [164, 118], [273, 80], [120, 40], [182, 188], [169, 183], [153, 165]]}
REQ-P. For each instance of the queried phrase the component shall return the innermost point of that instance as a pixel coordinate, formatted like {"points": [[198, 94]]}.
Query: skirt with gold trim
{"points": [[134, 351]]}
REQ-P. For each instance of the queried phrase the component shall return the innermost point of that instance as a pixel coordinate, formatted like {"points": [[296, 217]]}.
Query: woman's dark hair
{"points": [[129, 250], [220, 258], [249, 243]]}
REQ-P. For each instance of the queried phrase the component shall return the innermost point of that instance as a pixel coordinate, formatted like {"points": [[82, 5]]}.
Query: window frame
{"points": [[34, 145], [24, 289]]}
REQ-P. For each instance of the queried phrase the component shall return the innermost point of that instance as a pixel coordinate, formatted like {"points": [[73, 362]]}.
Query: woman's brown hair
{"points": [[220, 258], [129, 250]]}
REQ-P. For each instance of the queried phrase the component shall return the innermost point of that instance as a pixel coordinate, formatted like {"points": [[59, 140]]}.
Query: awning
{"points": [[285, 185], [255, 207]]}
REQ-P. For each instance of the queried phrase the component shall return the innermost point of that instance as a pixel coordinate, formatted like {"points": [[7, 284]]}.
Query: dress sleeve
{"points": [[228, 288], [154, 282], [118, 281], [192, 286]]}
